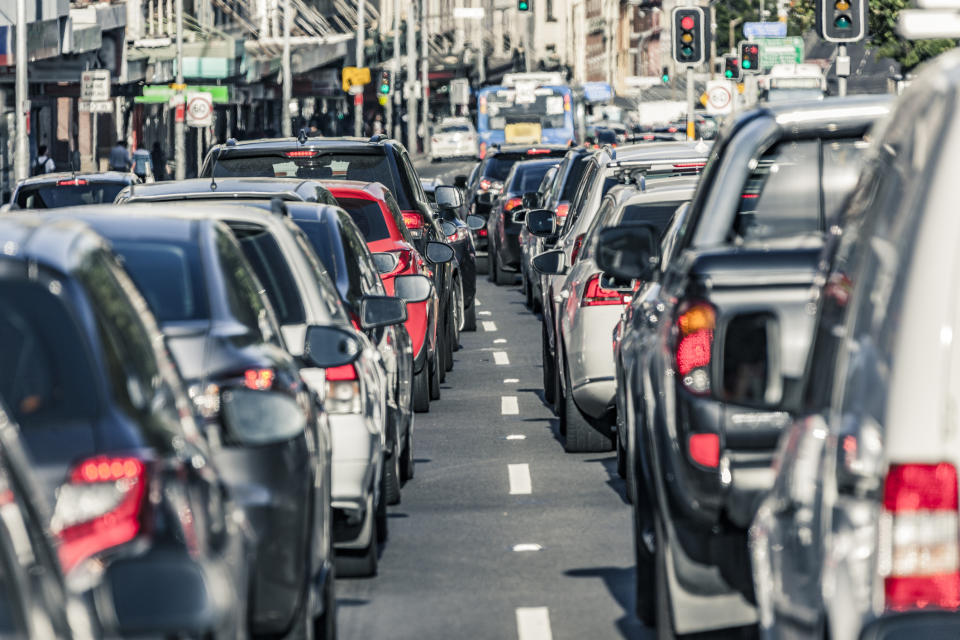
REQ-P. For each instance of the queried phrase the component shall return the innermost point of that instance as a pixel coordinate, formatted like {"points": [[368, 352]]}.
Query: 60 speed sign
{"points": [[719, 96], [199, 109]]}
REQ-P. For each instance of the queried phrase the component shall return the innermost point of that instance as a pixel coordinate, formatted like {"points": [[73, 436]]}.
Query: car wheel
{"points": [[360, 563], [448, 344], [470, 317], [407, 462], [621, 457], [457, 313], [325, 626], [580, 436], [381, 514], [421, 390], [549, 385], [391, 470], [501, 276], [434, 367], [663, 614]]}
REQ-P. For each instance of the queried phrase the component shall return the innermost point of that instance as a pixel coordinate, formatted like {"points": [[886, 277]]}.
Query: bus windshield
{"points": [[544, 106]]}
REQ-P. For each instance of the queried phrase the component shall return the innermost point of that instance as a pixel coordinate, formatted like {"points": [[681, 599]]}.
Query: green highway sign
{"points": [[780, 51]]}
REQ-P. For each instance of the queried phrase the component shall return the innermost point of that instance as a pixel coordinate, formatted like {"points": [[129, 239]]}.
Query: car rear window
{"points": [[573, 178], [454, 128], [529, 178], [47, 375], [268, 262], [498, 167], [656, 214], [67, 193], [170, 276], [368, 217]]}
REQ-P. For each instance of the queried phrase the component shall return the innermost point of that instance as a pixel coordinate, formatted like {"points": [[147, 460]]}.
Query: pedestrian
{"points": [[120, 159], [159, 160], [44, 163]]}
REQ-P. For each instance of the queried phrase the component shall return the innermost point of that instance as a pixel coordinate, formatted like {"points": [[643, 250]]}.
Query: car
{"points": [[528, 240], [286, 189], [67, 189], [864, 496], [272, 444], [140, 494], [377, 159], [453, 138], [593, 305], [458, 227], [753, 235], [502, 229]]}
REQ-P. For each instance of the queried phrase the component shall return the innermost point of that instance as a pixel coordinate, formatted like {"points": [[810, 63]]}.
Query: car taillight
{"points": [[918, 551], [75, 182], [537, 152], [258, 379], [483, 153], [458, 235], [303, 153], [596, 296], [482, 232], [704, 449], [343, 390], [562, 210], [512, 204], [695, 328], [577, 245], [414, 222], [99, 507]]}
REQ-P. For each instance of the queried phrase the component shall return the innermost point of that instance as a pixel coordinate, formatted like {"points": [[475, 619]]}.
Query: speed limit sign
{"points": [[199, 109], [719, 97]]}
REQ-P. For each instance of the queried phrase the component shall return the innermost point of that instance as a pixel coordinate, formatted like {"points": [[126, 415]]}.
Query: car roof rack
{"points": [[636, 171]]}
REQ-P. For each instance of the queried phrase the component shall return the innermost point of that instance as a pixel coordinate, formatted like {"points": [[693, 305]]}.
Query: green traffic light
{"points": [[746, 64], [523, 6], [728, 73], [842, 22], [384, 88], [686, 52], [665, 79]]}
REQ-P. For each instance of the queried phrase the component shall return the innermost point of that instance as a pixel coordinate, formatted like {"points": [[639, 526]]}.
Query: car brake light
{"points": [[918, 551], [75, 182], [343, 390], [99, 507], [562, 210], [483, 151], [695, 328], [458, 235], [413, 220], [303, 153], [258, 379], [704, 449], [595, 295], [577, 245], [537, 152], [485, 184], [482, 232], [512, 204]]}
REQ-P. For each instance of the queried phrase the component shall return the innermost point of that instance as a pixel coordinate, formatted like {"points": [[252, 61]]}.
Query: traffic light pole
{"points": [[358, 99], [21, 155], [286, 124], [691, 128], [841, 72], [394, 67], [425, 75], [409, 86]]}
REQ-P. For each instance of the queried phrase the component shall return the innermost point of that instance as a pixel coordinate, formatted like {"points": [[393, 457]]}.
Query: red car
{"points": [[376, 213]]}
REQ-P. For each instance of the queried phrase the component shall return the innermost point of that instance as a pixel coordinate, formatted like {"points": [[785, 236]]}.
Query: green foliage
{"points": [[801, 18], [731, 10], [882, 24]]}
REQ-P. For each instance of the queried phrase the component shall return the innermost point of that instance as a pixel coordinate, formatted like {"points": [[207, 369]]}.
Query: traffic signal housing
{"points": [[731, 67], [689, 35], [842, 20], [665, 76], [749, 58], [523, 5], [384, 87]]}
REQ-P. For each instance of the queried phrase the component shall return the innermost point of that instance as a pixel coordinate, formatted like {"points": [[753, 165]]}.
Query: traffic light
{"points": [[731, 67], [749, 57], [523, 5], [665, 76], [688, 35], [384, 86], [842, 20]]}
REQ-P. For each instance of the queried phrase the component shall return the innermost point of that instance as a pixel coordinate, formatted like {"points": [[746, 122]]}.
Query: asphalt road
{"points": [[501, 534]]}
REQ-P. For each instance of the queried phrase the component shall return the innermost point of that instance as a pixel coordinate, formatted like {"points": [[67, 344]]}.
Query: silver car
{"points": [[453, 138]]}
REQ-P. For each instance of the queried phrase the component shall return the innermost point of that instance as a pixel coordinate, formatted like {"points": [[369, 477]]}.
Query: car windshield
{"points": [[47, 374], [368, 216], [170, 276], [454, 128], [67, 193]]}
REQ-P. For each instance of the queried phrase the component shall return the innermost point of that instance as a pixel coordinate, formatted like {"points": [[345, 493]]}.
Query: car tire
{"points": [[457, 314], [380, 516], [663, 614], [407, 462], [434, 368], [470, 317], [325, 626], [391, 471], [621, 457], [549, 385], [491, 260], [579, 435], [360, 563], [421, 390], [528, 294], [501, 276]]}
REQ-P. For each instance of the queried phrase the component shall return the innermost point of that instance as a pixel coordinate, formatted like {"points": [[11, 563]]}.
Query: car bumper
{"points": [[453, 150], [590, 357], [356, 456]]}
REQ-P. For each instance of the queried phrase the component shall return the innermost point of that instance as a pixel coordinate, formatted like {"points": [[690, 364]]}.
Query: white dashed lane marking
{"points": [[533, 623], [501, 358], [509, 406], [489, 325], [519, 475]]}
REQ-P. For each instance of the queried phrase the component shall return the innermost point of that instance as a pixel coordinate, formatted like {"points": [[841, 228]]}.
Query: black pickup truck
{"points": [[694, 357]]}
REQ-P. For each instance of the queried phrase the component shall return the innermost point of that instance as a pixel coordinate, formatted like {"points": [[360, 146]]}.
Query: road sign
{"points": [[753, 30], [95, 85], [355, 77], [780, 51], [719, 96], [103, 106], [460, 91], [199, 109]]}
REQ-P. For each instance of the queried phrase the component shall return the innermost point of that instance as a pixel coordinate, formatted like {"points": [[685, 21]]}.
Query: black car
{"points": [[287, 189], [108, 427], [55, 190], [504, 234], [456, 224], [268, 440]]}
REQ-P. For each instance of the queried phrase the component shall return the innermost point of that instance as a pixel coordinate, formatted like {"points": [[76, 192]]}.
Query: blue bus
{"points": [[525, 112]]}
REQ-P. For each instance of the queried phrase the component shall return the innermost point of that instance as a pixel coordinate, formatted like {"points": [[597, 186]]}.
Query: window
{"points": [[394, 209], [528, 177], [170, 275], [658, 214], [368, 217], [52, 196], [328, 292], [244, 295], [454, 128], [498, 167], [270, 265]]}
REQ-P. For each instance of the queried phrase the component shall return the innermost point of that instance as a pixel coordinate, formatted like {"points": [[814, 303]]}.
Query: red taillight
{"points": [[413, 220], [595, 295], [577, 245], [485, 184], [919, 554], [704, 449], [695, 328], [482, 232], [750, 196], [537, 152], [99, 508], [512, 204], [258, 379], [562, 210], [76, 182], [483, 152], [303, 153], [344, 372], [343, 390]]}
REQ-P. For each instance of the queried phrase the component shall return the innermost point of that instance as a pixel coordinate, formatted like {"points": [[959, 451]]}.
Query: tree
{"points": [[882, 35], [728, 10]]}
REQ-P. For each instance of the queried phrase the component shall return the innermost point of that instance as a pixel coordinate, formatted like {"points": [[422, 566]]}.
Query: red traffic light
{"points": [[686, 22], [751, 49]]}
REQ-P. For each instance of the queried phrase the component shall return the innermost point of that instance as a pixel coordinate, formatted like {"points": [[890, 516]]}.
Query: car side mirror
{"points": [[551, 263], [476, 222], [382, 311], [448, 228], [541, 222], [519, 216], [628, 252], [413, 288], [327, 346], [448, 197], [531, 200], [439, 252], [385, 261], [258, 417]]}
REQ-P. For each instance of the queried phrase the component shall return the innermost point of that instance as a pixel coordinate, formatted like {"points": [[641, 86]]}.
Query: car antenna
{"points": [[213, 168]]}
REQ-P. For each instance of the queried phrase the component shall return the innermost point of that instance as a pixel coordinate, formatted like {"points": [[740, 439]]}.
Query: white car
{"points": [[453, 138]]}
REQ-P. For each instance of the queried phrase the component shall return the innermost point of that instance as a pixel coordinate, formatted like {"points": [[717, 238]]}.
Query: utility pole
{"points": [[358, 99], [179, 127], [286, 125], [733, 41], [424, 74], [394, 67], [410, 86], [21, 165], [691, 127], [713, 38]]}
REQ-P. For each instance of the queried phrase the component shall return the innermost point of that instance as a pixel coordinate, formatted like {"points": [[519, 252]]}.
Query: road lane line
{"points": [[527, 546], [511, 380], [484, 313], [519, 475], [500, 341], [533, 623], [489, 325], [509, 406], [516, 436], [500, 357]]}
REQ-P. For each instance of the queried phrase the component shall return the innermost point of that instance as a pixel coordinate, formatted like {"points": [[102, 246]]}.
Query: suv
{"points": [[55, 190]]}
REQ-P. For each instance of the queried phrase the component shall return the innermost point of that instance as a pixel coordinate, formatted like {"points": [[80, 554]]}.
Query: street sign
{"points": [[199, 109], [95, 85], [719, 96], [103, 106], [753, 30], [460, 91], [355, 76], [780, 51], [468, 13]]}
